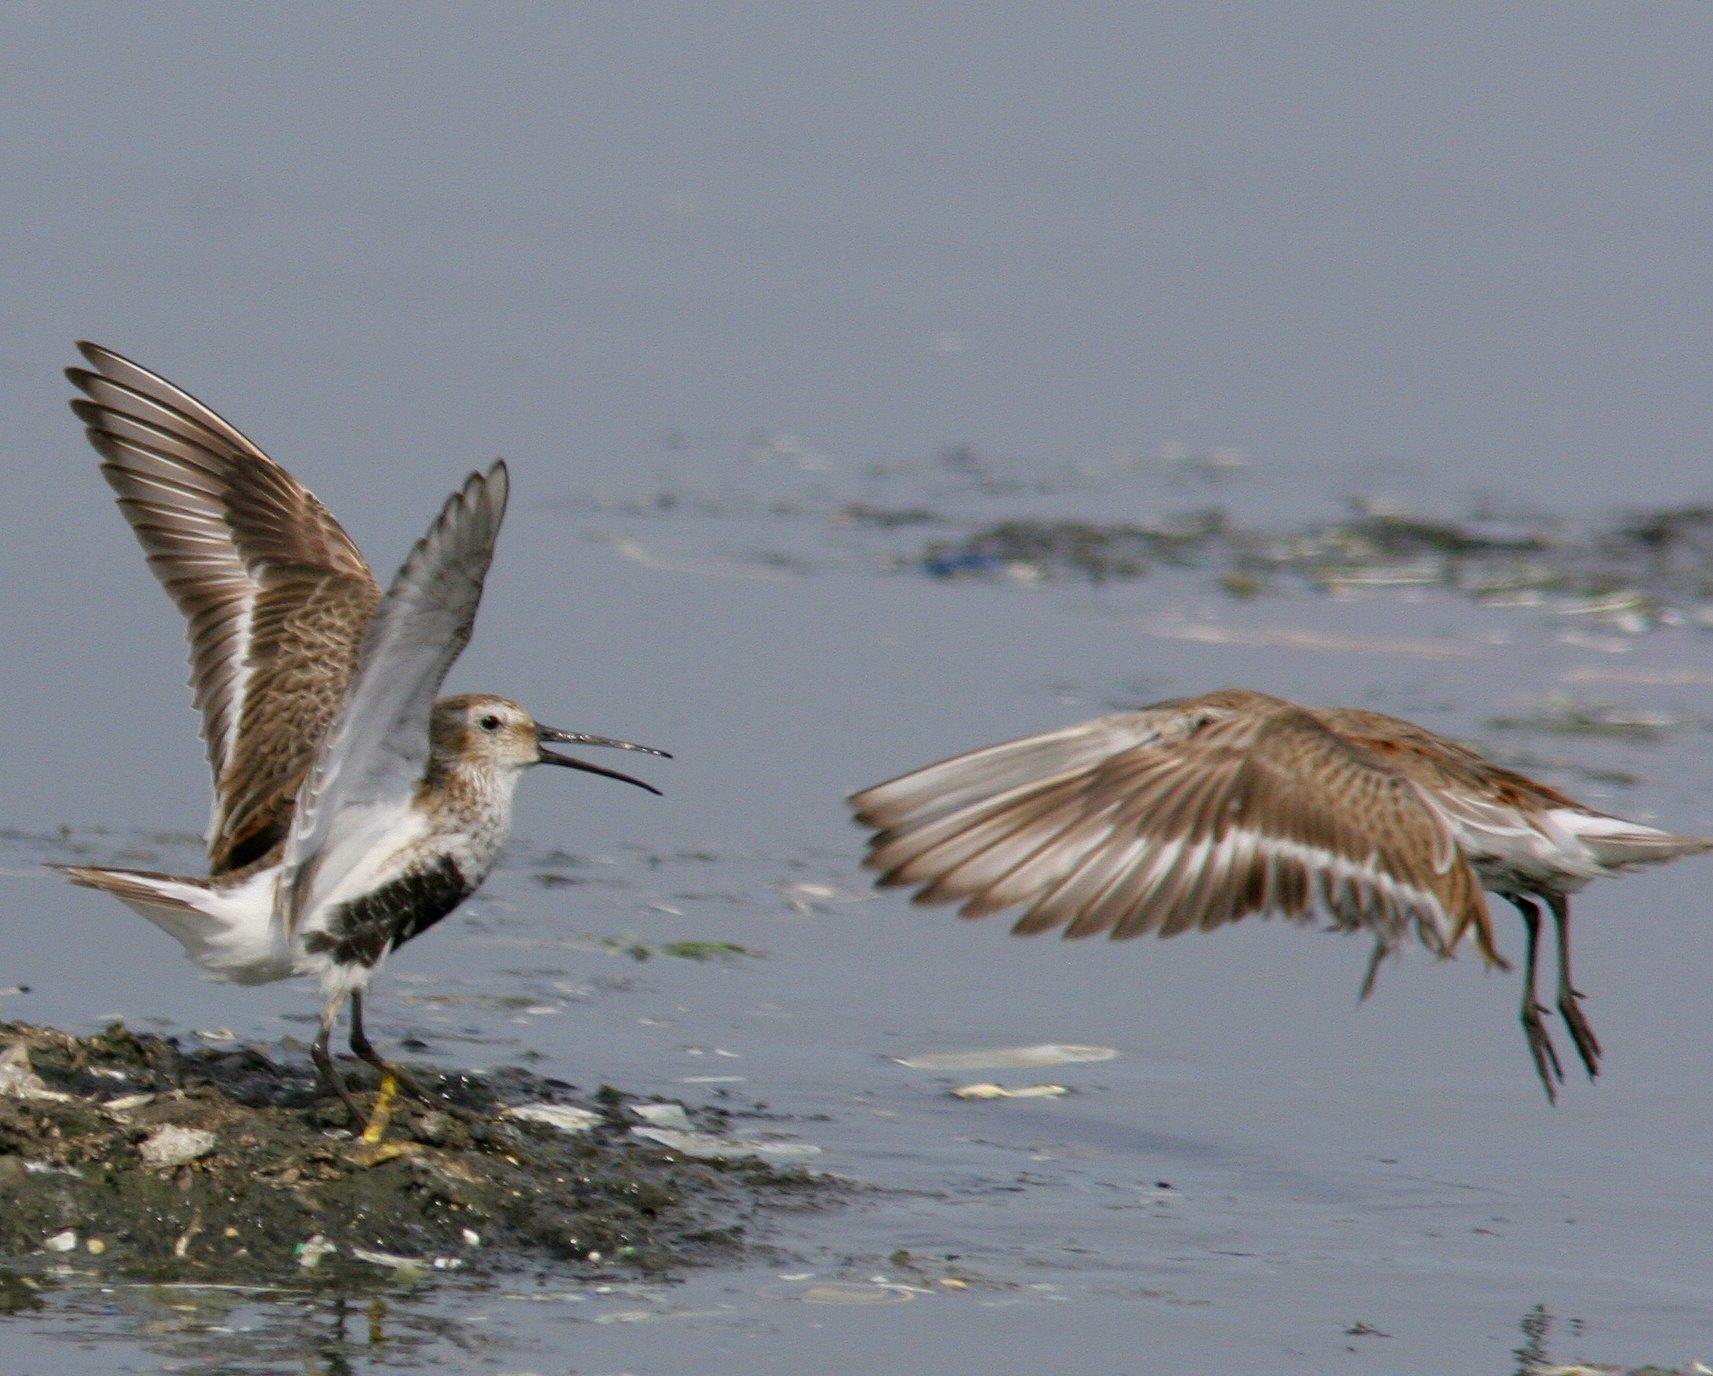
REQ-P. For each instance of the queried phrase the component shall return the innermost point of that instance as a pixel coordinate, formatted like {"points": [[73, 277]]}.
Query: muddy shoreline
{"points": [[122, 1153]]}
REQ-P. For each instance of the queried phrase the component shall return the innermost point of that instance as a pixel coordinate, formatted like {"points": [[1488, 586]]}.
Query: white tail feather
{"points": [[1617, 844], [228, 931]]}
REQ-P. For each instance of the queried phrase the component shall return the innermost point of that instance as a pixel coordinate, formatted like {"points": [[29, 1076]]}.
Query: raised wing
{"points": [[276, 595], [1180, 817], [374, 757]]}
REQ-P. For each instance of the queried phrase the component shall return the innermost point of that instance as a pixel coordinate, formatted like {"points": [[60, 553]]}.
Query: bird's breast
{"points": [[361, 930]]}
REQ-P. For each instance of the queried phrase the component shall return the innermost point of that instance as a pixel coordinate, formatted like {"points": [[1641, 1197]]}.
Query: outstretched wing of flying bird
{"points": [[1179, 817]]}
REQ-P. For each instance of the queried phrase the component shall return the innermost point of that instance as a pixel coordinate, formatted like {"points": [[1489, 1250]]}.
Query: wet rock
{"points": [[176, 1146], [565, 1117]]}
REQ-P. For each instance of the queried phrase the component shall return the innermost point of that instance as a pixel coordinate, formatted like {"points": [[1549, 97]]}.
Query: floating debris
{"points": [[1008, 1057], [707, 1147], [845, 1292], [991, 1091], [407, 1268], [1604, 1369]]}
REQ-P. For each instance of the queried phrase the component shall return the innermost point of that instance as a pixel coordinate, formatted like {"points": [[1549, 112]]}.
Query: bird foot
{"points": [[1587, 1044], [370, 1154], [376, 1128], [399, 1080], [1545, 1055]]}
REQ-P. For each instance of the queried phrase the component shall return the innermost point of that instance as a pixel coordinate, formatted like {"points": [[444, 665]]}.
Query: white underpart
{"points": [[367, 847], [235, 933], [1561, 849], [231, 932]]}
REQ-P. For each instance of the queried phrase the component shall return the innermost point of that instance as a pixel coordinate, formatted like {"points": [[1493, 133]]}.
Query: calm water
{"points": [[705, 275]]}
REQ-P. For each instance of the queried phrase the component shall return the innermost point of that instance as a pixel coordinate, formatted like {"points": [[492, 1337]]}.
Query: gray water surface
{"points": [[707, 275]]}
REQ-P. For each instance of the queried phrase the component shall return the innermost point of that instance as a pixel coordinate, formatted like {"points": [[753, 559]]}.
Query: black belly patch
{"points": [[362, 931]]}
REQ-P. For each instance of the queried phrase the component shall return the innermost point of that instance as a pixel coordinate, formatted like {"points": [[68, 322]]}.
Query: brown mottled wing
{"points": [[1183, 816], [1489, 805], [276, 594], [1482, 799], [1496, 813]]}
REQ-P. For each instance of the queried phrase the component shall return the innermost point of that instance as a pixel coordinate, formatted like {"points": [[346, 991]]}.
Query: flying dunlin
{"points": [[1199, 811], [352, 811]]}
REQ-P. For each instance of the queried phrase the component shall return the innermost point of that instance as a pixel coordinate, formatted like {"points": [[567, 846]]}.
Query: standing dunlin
{"points": [[352, 811], [1199, 811]]}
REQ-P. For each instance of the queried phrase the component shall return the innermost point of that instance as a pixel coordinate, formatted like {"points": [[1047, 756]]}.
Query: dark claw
{"points": [[1569, 996], [1587, 1045], [1541, 1048], [1540, 1045]]}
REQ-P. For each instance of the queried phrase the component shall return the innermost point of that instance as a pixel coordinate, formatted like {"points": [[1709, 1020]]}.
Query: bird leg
{"points": [[1569, 996], [324, 1062], [1540, 1044], [364, 1050], [1382, 949], [374, 1123]]}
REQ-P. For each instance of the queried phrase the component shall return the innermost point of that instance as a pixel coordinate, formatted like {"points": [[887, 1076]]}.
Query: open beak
{"points": [[543, 734]]}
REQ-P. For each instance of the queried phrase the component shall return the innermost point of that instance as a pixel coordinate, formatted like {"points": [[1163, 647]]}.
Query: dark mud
{"points": [[120, 1152], [968, 515], [1644, 566]]}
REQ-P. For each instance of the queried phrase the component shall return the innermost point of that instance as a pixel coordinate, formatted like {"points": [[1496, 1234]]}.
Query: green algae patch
{"points": [[121, 1153], [707, 950]]}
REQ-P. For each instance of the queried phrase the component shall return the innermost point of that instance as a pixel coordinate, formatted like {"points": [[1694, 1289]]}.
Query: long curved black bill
{"points": [[549, 733]]}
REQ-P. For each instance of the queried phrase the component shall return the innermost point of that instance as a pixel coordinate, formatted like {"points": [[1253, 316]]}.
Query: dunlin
{"points": [[1199, 811], [352, 811]]}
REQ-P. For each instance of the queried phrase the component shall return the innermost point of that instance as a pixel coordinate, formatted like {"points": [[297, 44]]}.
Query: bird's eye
{"points": [[489, 723]]}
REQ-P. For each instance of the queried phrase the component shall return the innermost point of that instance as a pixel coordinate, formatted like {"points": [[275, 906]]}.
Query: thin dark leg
{"points": [[1540, 1045], [364, 1049], [1569, 996], [1382, 949], [324, 1063]]}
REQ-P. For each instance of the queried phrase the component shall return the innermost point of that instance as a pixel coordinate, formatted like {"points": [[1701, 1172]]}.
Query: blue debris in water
{"points": [[958, 563]]}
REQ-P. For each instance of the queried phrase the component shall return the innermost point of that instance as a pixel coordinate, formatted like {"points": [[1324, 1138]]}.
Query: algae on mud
{"points": [[121, 1152]]}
